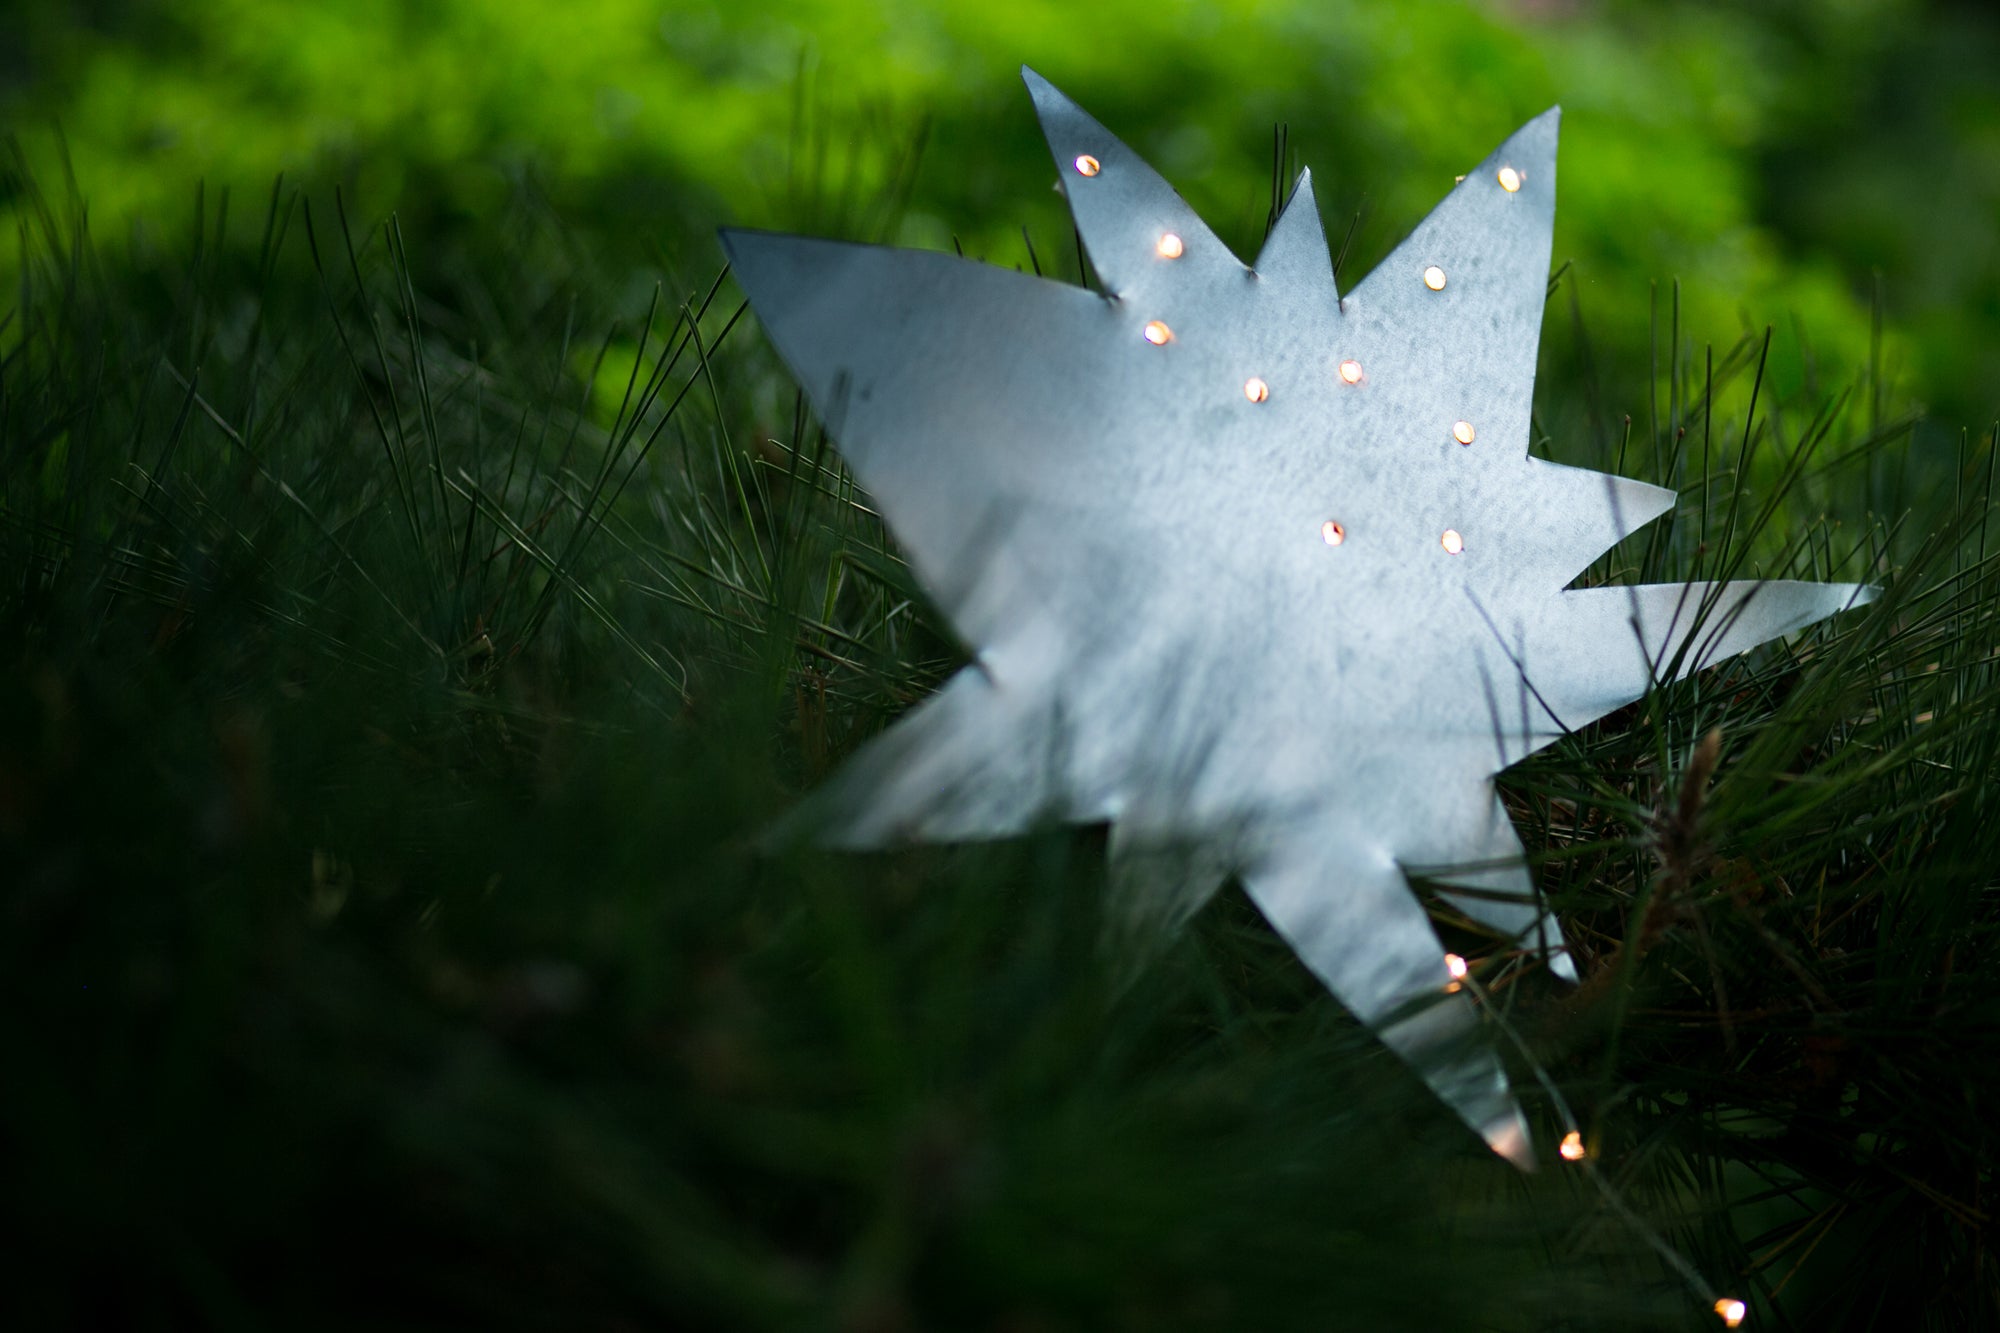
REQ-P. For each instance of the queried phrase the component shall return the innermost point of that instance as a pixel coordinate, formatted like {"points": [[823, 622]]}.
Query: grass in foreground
{"points": [[396, 680]]}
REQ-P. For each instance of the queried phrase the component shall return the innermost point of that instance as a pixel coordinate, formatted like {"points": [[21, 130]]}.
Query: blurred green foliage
{"points": [[1772, 159]]}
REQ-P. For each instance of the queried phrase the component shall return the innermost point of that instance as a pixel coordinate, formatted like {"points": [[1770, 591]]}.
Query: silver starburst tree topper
{"points": [[1262, 576]]}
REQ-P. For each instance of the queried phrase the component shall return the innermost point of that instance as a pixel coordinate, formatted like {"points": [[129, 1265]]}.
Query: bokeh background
{"points": [[391, 695], [1792, 163]]}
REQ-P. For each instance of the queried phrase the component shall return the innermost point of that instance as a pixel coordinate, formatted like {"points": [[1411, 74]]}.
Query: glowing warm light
{"points": [[1332, 533], [1170, 247], [1451, 541], [1087, 165], [1256, 390], [1731, 1310], [1456, 966], [1462, 432], [1351, 371], [1434, 278], [1158, 334], [1572, 1148], [1510, 179]]}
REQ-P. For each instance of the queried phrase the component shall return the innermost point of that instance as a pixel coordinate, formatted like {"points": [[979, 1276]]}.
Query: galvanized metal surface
{"points": [[1173, 635]]}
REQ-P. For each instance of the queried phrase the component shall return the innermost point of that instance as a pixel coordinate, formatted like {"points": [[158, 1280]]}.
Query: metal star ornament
{"points": [[1261, 576]]}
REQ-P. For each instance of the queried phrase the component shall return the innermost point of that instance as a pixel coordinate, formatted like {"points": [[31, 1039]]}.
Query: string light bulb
{"points": [[1158, 333], [1351, 371], [1332, 533], [1572, 1148], [1255, 389], [1456, 968], [1453, 543], [1434, 278], [1731, 1311], [1170, 246], [1510, 179], [1462, 432], [1086, 165]]}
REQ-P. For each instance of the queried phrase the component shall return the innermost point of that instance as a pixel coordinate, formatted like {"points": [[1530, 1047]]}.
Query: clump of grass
{"points": [[397, 678]]}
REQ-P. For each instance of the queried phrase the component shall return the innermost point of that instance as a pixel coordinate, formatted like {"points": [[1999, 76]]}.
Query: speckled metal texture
{"points": [[1170, 635]]}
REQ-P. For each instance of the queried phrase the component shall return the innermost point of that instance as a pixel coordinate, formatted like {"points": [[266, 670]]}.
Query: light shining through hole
{"points": [[1086, 165], [1731, 1310], [1351, 371], [1256, 390], [1434, 278], [1451, 541], [1510, 179], [1158, 334], [1456, 968], [1572, 1148], [1332, 533], [1170, 247], [1462, 432]]}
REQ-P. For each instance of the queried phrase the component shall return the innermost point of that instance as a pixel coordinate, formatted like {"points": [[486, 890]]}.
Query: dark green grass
{"points": [[394, 691]]}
